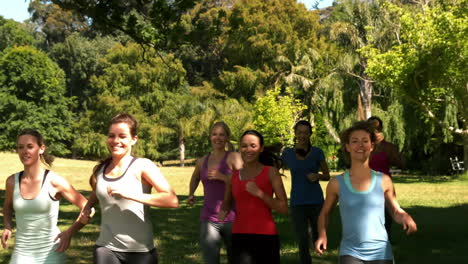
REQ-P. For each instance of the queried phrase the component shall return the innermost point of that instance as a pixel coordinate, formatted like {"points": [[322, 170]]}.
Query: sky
{"points": [[18, 9]]}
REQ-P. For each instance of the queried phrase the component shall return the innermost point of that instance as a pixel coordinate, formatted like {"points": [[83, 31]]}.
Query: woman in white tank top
{"points": [[33, 195], [122, 185]]}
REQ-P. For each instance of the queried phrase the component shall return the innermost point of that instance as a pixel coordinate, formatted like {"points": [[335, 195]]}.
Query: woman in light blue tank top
{"points": [[213, 170], [122, 185], [33, 195], [362, 194]]}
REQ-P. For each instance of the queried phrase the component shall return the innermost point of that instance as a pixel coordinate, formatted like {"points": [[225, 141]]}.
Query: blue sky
{"points": [[18, 9]]}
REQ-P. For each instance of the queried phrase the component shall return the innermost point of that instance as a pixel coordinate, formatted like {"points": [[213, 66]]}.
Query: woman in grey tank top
{"points": [[122, 185], [33, 195], [362, 194]]}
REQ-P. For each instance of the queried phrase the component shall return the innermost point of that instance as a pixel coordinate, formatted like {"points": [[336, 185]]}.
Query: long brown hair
{"points": [[119, 118], [45, 157]]}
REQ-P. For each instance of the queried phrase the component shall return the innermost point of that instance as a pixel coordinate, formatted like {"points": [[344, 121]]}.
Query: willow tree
{"points": [[429, 66], [353, 24]]}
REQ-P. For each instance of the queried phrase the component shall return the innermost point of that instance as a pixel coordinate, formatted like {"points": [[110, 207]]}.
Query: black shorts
{"points": [[255, 249]]}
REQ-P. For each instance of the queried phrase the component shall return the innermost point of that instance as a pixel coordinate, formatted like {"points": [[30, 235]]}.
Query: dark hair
{"points": [[303, 152], [45, 157], [226, 129], [379, 128], [345, 135], [119, 118], [267, 157]]}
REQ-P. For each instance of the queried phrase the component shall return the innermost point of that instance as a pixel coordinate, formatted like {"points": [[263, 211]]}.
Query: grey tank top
{"points": [[125, 224]]}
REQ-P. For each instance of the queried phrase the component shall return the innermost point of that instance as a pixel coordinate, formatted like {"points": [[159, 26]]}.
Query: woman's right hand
{"points": [[191, 200], [5, 236], [321, 244], [222, 215]]}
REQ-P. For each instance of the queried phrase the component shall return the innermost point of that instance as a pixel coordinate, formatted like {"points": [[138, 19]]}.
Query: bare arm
{"points": [[398, 214], [66, 190], [8, 210], [278, 203], [324, 176], [150, 174], [227, 202], [194, 181], [330, 202]]}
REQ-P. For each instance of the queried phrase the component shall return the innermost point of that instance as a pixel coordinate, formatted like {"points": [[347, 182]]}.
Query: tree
{"points": [[153, 23], [275, 116], [13, 34], [352, 24], [428, 66], [56, 23], [79, 57], [32, 95]]}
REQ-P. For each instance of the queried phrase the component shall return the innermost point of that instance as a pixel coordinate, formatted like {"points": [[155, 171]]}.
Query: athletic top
{"points": [[253, 216], [363, 220], [36, 226], [380, 161], [125, 224], [303, 191], [214, 192]]}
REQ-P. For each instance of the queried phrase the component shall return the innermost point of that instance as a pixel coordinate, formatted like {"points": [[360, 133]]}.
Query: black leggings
{"points": [[255, 249], [103, 255], [346, 259]]}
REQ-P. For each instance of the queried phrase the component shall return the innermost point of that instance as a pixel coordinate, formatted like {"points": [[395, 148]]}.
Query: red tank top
{"points": [[253, 216]]}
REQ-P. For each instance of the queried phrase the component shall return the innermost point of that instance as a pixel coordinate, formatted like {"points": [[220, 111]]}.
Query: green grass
{"points": [[438, 204]]}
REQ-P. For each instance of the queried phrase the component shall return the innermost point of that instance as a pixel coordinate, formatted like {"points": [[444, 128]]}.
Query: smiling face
{"points": [[29, 150], [302, 134], [218, 138], [250, 148], [359, 145], [120, 140]]}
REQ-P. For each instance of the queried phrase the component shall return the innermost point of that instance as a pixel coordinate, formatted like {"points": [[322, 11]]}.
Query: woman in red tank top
{"points": [[255, 237]]}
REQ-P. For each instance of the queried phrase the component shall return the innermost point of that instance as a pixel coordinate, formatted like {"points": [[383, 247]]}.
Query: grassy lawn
{"points": [[439, 205]]}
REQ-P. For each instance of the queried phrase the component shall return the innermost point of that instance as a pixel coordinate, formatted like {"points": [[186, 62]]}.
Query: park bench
{"points": [[457, 165]]}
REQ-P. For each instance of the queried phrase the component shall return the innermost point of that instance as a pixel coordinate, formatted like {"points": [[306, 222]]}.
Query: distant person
{"points": [[122, 185], [214, 170], [34, 195], [306, 199], [362, 194], [255, 189], [384, 155]]}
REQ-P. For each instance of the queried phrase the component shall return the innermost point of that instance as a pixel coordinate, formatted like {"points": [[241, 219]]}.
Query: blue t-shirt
{"points": [[303, 191]]}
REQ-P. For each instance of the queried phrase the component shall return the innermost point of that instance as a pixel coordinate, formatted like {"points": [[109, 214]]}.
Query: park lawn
{"points": [[439, 204]]}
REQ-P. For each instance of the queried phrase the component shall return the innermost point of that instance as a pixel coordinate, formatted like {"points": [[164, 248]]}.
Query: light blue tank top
{"points": [[36, 226], [363, 220]]}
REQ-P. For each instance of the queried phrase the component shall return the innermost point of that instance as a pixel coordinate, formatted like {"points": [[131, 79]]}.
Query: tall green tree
{"points": [[32, 95], [275, 116], [428, 66], [13, 34]]}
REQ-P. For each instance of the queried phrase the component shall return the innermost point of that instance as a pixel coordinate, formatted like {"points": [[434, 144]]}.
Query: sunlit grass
{"points": [[439, 205]]}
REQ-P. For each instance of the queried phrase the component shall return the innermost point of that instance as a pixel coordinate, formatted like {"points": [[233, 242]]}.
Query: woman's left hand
{"points": [[117, 193], [214, 174], [253, 189]]}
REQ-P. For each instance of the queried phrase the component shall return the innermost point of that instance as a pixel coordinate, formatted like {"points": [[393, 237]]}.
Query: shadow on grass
{"points": [[441, 236], [424, 178]]}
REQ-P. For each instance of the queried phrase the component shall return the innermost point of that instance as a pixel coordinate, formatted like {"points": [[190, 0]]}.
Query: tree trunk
{"points": [[365, 93], [465, 151], [182, 152]]}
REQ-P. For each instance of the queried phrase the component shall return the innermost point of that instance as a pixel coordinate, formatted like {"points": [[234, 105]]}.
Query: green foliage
{"points": [[13, 34], [275, 116], [80, 57], [32, 95]]}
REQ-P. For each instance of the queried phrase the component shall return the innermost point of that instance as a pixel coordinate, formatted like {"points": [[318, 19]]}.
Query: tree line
{"points": [[179, 66]]}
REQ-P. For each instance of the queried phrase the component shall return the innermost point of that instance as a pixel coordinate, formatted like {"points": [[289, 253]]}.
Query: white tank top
{"points": [[125, 224]]}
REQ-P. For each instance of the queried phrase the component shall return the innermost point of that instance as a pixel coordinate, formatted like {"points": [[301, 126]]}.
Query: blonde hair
{"points": [[229, 146]]}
